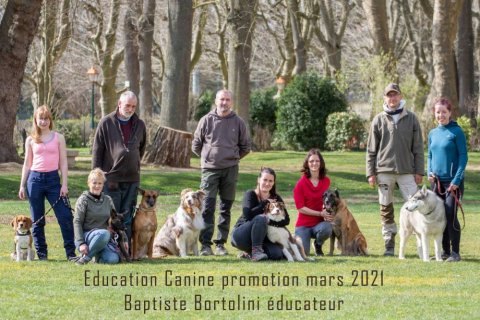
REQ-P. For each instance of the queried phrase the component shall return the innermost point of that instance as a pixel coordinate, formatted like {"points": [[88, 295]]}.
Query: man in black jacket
{"points": [[118, 148]]}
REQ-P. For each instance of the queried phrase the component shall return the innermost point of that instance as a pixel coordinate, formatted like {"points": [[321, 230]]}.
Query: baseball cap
{"points": [[392, 87]]}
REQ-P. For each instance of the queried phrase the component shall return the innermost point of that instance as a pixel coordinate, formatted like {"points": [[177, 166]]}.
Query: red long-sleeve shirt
{"points": [[307, 195]]}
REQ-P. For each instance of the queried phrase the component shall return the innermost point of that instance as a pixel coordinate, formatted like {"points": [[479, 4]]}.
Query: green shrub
{"points": [[345, 131], [303, 109], [204, 104], [263, 108], [464, 123], [72, 130]]}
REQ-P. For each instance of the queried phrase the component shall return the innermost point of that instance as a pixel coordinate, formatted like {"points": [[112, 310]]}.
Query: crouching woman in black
{"points": [[250, 231]]}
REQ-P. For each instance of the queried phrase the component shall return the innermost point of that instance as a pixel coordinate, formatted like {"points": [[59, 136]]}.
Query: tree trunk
{"points": [[465, 62], [176, 81], [132, 65], [298, 40], [170, 147], [147, 24], [444, 30], [17, 29], [241, 22]]}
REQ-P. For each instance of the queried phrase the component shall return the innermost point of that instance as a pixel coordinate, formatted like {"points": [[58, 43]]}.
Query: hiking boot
{"points": [[206, 251], [389, 252], [445, 256], [83, 260], [454, 257], [244, 255], [220, 250]]}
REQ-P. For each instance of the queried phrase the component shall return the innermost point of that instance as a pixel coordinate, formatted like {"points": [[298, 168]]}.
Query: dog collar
{"points": [[18, 233]]}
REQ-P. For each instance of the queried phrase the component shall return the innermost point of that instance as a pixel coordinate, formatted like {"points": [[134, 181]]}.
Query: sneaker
{"points": [[73, 258], [259, 256], [206, 251], [445, 256], [220, 250], [244, 255], [42, 257], [83, 260], [454, 257], [389, 253]]}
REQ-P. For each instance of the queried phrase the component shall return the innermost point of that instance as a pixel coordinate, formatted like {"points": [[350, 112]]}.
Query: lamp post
{"points": [[92, 75]]}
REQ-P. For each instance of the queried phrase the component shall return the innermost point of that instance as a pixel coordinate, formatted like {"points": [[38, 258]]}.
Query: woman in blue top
{"points": [[447, 159]]}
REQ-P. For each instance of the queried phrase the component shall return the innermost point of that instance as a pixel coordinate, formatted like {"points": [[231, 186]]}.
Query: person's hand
{"points": [[21, 193], [326, 216], [372, 180], [418, 179], [431, 178], [83, 249], [63, 191], [452, 187]]}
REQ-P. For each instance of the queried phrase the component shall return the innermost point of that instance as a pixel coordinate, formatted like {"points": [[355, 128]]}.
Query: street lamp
{"points": [[92, 75]]}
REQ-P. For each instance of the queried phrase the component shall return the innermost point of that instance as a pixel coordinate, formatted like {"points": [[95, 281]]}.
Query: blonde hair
{"points": [[43, 112], [96, 173]]}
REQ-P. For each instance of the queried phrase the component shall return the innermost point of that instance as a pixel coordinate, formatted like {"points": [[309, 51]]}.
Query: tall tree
{"points": [[241, 24], [176, 81], [17, 29], [444, 31], [147, 23], [465, 63], [130, 30]]}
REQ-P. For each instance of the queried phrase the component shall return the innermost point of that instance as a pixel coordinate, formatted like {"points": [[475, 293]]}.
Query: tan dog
{"points": [[23, 238], [179, 234], [351, 241], [292, 247], [144, 225]]}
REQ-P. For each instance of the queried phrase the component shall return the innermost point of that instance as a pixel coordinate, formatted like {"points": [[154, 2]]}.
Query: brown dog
{"points": [[23, 238], [144, 225], [351, 241]]}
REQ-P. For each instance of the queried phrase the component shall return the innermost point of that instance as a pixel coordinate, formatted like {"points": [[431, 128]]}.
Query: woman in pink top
{"points": [[45, 154], [312, 221]]}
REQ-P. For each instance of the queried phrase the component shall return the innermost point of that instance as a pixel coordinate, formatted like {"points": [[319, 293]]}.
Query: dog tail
{"points": [[360, 245], [299, 243]]}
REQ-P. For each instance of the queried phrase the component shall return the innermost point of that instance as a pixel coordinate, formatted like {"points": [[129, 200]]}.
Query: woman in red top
{"points": [[312, 221]]}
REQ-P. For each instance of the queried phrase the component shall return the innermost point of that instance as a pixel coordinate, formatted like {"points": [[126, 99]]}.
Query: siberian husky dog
{"points": [[424, 214]]}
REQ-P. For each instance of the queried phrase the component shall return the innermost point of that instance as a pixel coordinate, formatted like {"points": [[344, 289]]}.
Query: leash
{"points": [[458, 204], [65, 200]]}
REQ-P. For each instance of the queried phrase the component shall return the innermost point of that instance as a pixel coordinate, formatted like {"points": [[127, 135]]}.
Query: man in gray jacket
{"points": [[220, 140], [394, 156]]}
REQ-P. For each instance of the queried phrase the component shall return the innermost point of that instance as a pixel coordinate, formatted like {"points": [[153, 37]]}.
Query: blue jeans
{"points": [[97, 241], [124, 196], [319, 232], [254, 233], [41, 185]]}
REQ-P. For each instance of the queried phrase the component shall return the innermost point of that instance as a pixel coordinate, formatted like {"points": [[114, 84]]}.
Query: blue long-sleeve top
{"points": [[447, 153]]}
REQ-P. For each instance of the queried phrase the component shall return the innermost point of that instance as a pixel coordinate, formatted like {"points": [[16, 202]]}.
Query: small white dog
{"points": [[179, 235], [23, 238], [292, 247], [424, 214]]}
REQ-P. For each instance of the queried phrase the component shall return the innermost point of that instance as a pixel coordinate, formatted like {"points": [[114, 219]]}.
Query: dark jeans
{"points": [[223, 224], [254, 233], [124, 196], [452, 233], [41, 185]]}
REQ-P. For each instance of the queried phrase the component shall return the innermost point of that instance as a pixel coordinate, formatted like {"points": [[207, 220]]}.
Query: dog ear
{"points": [[29, 222], [337, 193], [14, 222], [424, 189], [140, 190], [202, 192], [185, 191], [113, 213]]}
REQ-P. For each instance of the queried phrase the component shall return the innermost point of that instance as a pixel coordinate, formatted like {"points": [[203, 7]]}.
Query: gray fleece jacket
{"points": [[395, 147], [220, 141], [90, 213]]}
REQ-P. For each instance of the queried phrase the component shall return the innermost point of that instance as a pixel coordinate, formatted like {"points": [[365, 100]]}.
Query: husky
{"points": [[424, 214]]}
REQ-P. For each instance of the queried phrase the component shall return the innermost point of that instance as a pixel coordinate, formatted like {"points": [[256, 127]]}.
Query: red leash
{"points": [[457, 202]]}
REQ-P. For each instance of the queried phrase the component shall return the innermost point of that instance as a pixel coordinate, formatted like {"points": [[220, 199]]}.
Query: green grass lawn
{"points": [[372, 287]]}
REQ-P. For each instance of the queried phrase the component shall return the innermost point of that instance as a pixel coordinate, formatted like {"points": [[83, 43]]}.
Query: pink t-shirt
{"points": [[307, 195], [46, 156]]}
